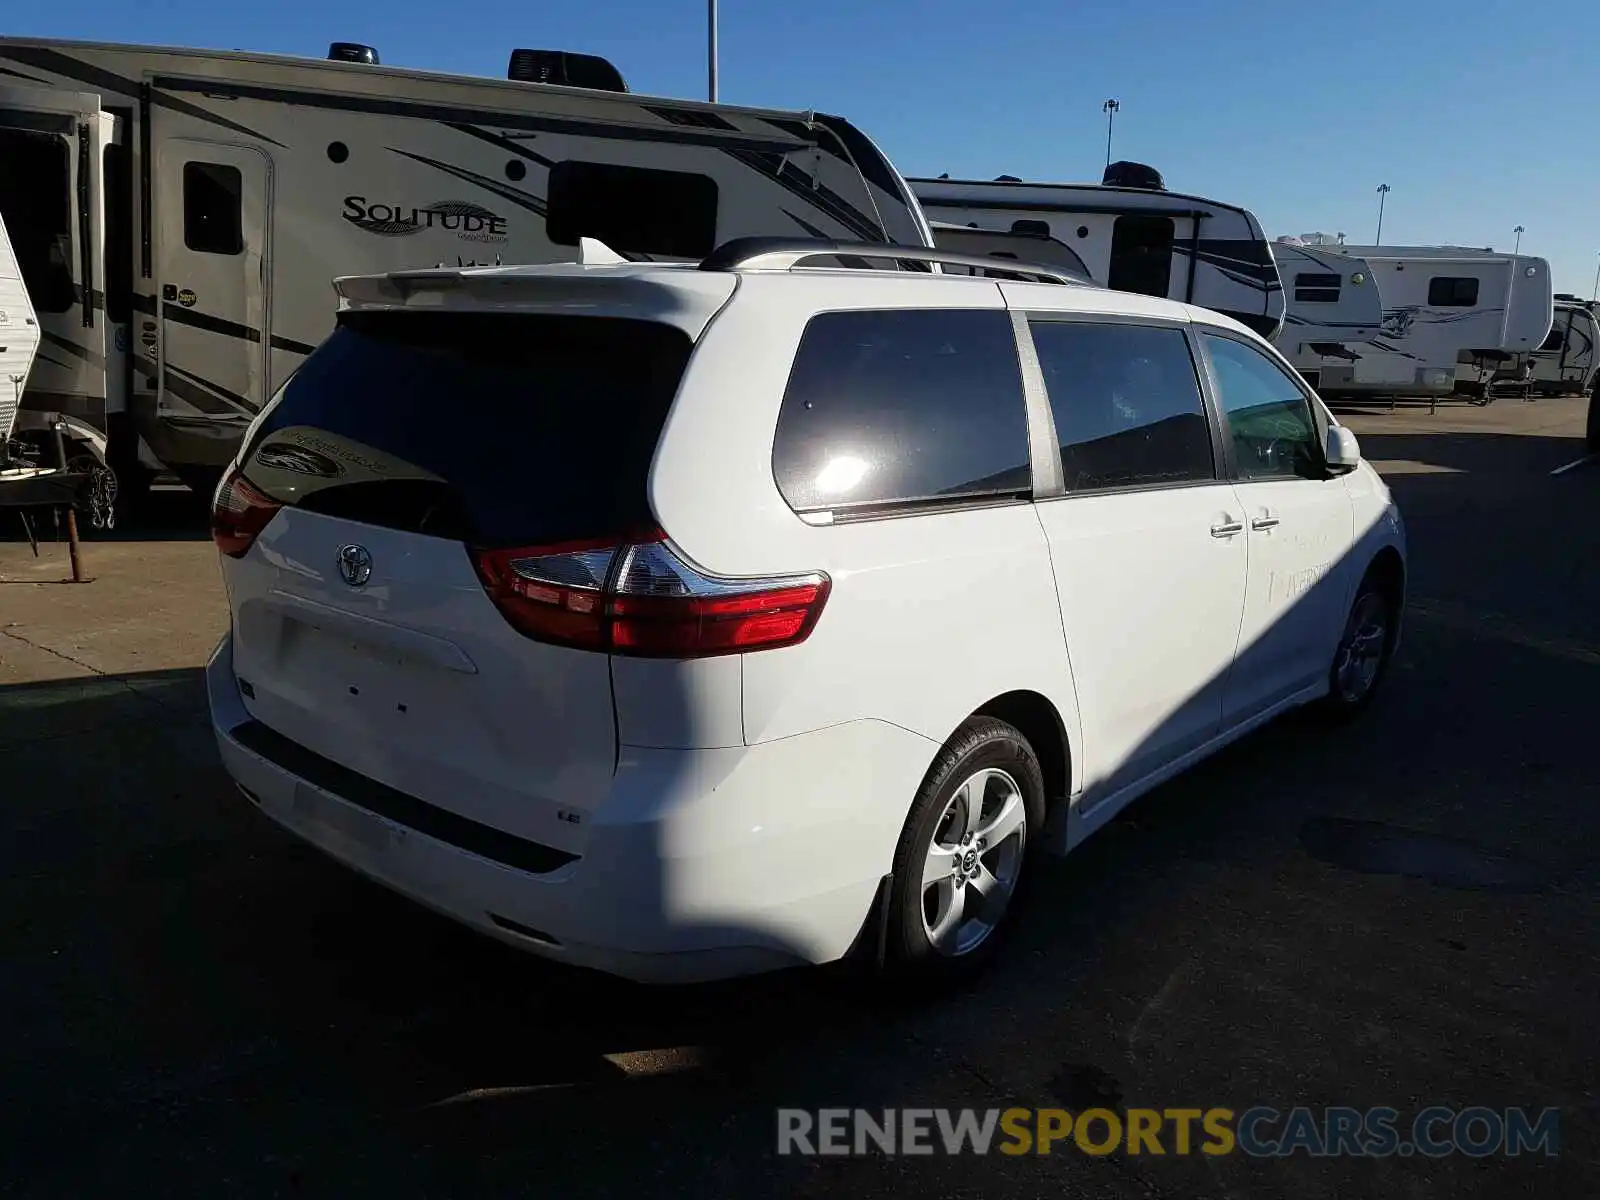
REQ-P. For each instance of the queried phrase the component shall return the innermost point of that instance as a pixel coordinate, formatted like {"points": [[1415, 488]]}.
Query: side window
{"points": [[1556, 340], [632, 209], [1445, 291], [1126, 402], [896, 407], [1274, 433], [213, 212]]}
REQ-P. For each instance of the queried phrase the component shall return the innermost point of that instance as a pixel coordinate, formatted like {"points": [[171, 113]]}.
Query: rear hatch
{"points": [[369, 516]]}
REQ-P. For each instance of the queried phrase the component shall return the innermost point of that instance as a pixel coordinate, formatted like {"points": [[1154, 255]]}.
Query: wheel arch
{"points": [[1038, 719], [1388, 569]]}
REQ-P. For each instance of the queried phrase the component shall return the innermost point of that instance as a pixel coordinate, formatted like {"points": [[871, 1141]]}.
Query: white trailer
{"points": [[184, 211], [1452, 316], [1565, 364], [19, 340], [1332, 305], [1135, 239]]}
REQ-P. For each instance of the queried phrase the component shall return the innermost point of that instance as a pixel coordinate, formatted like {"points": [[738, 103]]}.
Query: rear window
{"points": [[885, 409], [499, 429]]}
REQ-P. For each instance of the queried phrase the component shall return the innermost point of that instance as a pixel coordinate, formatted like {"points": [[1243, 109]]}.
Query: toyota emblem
{"points": [[355, 565]]}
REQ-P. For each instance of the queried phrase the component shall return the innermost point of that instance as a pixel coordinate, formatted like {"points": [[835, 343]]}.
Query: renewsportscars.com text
{"points": [[1261, 1131]]}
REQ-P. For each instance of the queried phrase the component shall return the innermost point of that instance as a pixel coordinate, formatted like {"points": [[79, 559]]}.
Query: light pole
{"points": [[1595, 295], [1383, 194], [1110, 108], [711, 49], [1518, 246]]}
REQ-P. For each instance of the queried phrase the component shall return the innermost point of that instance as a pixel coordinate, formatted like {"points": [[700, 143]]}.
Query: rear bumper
{"points": [[701, 864]]}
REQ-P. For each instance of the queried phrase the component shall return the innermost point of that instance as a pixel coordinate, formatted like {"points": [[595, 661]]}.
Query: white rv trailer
{"points": [[1445, 308], [1565, 364], [1331, 305], [19, 340], [183, 212], [1134, 239]]}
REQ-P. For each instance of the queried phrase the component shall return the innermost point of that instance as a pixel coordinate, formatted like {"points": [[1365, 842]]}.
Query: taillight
{"points": [[238, 514], [640, 598]]}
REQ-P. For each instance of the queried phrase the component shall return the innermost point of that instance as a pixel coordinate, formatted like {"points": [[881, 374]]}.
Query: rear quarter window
{"points": [[893, 408], [500, 429]]}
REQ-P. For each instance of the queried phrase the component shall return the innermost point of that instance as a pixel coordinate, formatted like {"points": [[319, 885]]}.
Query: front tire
{"points": [[960, 862], [1365, 646]]}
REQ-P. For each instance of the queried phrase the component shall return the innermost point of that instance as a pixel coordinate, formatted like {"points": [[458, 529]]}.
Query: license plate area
{"points": [[355, 825], [378, 685]]}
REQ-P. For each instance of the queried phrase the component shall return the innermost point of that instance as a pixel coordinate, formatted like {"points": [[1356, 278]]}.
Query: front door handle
{"points": [[1263, 522], [1227, 528]]}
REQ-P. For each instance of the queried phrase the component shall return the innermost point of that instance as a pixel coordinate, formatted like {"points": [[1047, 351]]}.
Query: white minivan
{"points": [[688, 621]]}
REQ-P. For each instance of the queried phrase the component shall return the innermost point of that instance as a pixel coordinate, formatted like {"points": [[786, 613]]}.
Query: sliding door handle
{"points": [[1263, 522]]}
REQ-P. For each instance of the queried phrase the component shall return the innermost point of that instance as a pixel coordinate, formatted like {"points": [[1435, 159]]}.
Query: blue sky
{"points": [[1473, 112]]}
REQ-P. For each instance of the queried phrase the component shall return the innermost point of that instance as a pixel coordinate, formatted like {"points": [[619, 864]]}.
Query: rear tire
{"points": [[1361, 661], [973, 828]]}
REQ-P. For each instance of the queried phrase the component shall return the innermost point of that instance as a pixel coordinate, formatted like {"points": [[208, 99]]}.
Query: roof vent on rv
{"points": [[353, 52], [1006, 179], [1133, 175], [569, 70]]}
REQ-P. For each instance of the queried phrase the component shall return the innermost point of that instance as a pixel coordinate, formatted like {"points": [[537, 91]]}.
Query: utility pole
{"points": [[1595, 295], [711, 49], [1110, 108], [1514, 249], [1383, 194]]}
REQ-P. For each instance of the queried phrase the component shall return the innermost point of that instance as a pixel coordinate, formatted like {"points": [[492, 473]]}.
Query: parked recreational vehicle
{"points": [[1132, 238], [1565, 365], [1331, 305], [1445, 309], [180, 214], [19, 339]]}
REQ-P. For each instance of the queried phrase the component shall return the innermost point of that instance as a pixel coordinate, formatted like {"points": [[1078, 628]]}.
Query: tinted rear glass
{"points": [[903, 407], [498, 429]]}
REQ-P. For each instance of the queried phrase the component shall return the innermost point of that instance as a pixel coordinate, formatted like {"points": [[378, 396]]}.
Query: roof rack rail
{"points": [[783, 254]]}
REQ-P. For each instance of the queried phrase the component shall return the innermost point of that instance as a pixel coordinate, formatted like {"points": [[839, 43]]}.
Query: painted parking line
{"points": [[1501, 628], [1574, 464]]}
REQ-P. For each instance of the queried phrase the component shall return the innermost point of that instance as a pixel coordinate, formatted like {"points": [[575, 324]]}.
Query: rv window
{"points": [[562, 423], [1126, 403], [1447, 292], [892, 408], [632, 209], [1316, 289], [119, 233], [1141, 255], [36, 202], [1556, 340], [213, 213]]}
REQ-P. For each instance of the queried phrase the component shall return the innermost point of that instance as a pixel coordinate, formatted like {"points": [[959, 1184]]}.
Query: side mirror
{"points": [[1343, 451]]}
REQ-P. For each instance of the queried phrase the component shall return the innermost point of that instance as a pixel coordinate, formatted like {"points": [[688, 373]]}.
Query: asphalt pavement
{"points": [[1403, 912]]}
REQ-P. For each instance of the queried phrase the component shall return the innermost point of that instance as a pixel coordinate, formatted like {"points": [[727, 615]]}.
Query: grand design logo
{"points": [[470, 222]]}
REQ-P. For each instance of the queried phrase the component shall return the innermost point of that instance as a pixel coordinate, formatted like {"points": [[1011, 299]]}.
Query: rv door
{"points": [[213, 206], [51, 198]]}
